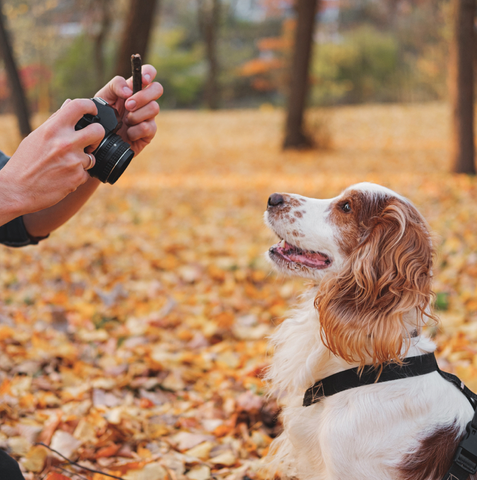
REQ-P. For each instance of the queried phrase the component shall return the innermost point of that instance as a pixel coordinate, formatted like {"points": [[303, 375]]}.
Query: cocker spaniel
{"points": [[368, 254]]}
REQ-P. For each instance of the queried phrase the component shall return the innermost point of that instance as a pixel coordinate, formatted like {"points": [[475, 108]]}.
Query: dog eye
{"points": [[346, 207]]}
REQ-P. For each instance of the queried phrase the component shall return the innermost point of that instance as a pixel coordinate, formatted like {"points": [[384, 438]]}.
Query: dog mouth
{"points": [[285, 252]]}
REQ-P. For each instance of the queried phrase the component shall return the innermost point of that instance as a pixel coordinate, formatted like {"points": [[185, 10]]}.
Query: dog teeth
{"points": [[282, 244]]}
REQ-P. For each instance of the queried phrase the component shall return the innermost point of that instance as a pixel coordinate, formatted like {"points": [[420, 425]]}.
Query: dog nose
{"points": [[275, 199]]}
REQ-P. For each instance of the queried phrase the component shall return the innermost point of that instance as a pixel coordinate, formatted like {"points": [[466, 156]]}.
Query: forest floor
{"points": [[133, 340]]}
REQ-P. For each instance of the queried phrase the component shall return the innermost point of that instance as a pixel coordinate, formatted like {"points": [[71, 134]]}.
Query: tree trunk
{"points": [[100, 36], [295, 136], [462, 87], [136, 34], [18, 94], [209, 17]]}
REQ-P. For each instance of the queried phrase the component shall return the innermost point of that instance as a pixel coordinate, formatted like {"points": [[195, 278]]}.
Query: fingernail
{"points": [[147, 77], [131, 105], [68, 100], [127, 90]]}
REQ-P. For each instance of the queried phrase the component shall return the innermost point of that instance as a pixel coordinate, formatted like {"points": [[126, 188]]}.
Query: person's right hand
{"points": [[50, 163]]}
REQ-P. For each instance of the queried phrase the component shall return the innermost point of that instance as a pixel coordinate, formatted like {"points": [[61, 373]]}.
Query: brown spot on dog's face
{"points": [[295, 202], [298, 214], [354, 213], [283, 211], [280, 213]]}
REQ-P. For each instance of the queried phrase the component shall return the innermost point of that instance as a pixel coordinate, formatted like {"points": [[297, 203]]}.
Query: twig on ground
{"points": [[77, 464], [71, 473]]}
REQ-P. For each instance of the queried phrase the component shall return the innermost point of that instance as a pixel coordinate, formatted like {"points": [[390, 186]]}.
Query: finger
{"points": [[71, 112], [114, 89], [83, 178], [148, 112], [88, 161], [68, 100], [144, 131], [90, 137], [150, 94], [148, 73]]}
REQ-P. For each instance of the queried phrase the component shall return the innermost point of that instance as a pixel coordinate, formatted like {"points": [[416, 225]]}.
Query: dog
{"points": [[368, 254]]}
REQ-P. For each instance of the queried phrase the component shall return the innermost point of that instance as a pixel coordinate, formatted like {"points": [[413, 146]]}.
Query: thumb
{"points": [[116, 88]]}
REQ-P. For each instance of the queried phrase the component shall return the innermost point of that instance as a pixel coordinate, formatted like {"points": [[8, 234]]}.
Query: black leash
{"points": [[465, 460]]}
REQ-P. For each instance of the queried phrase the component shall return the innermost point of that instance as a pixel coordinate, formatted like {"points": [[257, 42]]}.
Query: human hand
{"points": [[137, 111], [50, 163]]}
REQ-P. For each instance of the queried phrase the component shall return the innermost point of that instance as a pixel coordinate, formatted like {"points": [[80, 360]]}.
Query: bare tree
{"points": [[136, 34], [18, 94], [295, 136], [462, 86], [209, 20], [102, 14]]}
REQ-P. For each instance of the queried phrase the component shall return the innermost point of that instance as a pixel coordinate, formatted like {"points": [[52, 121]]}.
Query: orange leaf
{"points": [[56, 476], [6, 332], [108, 451], [146, 403]]}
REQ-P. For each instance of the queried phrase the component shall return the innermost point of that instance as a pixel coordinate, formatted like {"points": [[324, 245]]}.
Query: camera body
{"points": [[113, 155]]}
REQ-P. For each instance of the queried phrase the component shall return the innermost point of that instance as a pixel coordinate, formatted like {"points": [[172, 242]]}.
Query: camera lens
{"points": [[112, 157]]}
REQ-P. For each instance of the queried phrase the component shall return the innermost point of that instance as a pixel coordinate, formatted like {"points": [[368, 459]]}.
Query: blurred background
{"points": [[228, 54], [134, 339], [235, 53], [366, 51]]}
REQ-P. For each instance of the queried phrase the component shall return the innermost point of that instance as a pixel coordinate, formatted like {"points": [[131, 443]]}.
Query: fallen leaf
{"points": [[152, 471], [64, 443], [201, 472], [34, 461]]}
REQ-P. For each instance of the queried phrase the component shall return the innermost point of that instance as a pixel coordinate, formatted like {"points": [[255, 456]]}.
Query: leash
{"points": [[465, 459]]}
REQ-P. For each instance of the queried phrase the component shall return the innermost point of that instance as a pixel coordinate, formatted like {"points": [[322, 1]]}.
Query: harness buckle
{"points": [[466, 455]]}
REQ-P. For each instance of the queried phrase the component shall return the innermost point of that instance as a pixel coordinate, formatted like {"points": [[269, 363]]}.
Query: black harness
{"points": [[465, 459]]}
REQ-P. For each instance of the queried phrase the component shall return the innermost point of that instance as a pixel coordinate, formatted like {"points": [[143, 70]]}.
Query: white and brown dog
{"points": [[368, 253]]}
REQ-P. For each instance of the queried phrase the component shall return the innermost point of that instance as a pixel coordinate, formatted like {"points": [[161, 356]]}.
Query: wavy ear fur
{"points": [[387, 275]]}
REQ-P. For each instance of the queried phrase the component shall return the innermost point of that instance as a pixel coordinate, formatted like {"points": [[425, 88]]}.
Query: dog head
{"points": [[371, 253]]}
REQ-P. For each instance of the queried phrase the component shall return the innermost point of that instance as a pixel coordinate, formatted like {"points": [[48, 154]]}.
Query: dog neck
{"points": [[301, 358]]}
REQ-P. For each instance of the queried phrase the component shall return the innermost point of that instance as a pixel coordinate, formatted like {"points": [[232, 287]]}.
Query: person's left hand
{"points": [[137, 111]]}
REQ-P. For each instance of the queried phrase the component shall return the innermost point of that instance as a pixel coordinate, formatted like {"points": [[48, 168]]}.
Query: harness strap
{"points": [[465, 460], [351, 378], [470, 395]]}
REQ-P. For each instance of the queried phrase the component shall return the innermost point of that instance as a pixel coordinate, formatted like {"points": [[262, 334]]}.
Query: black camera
{"points": [[113, 154]]}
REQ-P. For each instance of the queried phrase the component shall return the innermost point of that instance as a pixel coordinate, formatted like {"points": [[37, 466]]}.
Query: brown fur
{"points": [[434, 456], [387, 273]]}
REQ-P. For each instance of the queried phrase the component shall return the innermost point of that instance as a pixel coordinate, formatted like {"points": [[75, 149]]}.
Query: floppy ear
{"points": [[386, 276]]}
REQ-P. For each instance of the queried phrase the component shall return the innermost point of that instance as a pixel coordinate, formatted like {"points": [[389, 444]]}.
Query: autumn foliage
{"points": [[133, 340]]}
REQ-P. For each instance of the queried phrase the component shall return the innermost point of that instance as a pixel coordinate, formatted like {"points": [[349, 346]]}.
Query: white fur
{"points": [[362, 433]]}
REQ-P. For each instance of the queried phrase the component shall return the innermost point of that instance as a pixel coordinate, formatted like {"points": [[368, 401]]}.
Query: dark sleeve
{"points": [[14, 233]]}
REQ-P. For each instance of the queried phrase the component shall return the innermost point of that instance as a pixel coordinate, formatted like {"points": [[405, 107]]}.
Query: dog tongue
{"points": [[304, 257], [308, 258]]}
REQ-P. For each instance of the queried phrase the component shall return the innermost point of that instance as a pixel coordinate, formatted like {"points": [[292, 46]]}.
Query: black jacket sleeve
{"points": [[14, 233]]}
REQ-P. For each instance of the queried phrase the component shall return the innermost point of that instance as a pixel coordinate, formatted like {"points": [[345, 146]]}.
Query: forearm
{"points": [[41, 223]]}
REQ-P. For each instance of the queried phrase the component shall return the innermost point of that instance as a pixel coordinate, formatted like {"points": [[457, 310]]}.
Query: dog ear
{"points": [[386, 276]]}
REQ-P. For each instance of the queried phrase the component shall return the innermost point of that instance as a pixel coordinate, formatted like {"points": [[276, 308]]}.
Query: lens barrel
{"points": [[113, 154], [112, 157]]}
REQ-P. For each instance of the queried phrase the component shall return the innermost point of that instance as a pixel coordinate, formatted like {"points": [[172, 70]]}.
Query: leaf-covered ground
{"points": [[134, 338]]}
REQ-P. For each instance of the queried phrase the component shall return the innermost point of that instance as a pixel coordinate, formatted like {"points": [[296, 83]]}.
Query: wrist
{"points": [[11, 203]]}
